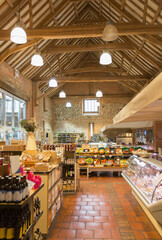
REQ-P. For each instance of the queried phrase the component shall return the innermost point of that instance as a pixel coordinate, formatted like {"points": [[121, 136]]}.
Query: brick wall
{"points": [[22, 87], [16, 85], [72, 119], [44, 113]]}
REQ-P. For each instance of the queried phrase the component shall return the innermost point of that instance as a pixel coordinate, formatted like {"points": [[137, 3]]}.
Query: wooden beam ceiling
{"points": [[83, 31], [95, 78], [55, 49], [93, 69]]}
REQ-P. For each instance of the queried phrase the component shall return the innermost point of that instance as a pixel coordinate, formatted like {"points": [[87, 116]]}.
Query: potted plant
{"points": [[30, 126]]}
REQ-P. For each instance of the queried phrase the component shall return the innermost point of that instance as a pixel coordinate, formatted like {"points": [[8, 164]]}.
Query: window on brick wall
{"points": [[12, 111], [91, 107]]}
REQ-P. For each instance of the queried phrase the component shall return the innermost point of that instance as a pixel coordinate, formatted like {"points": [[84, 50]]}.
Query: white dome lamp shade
{"points": [[68, 104], [105, 58], [53, 83], [62, 94], [37, 59], [99, 94], [110, 32], [18, 35]]}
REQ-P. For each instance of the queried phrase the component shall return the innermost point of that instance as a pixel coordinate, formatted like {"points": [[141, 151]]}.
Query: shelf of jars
{"points": [[51, 197]]}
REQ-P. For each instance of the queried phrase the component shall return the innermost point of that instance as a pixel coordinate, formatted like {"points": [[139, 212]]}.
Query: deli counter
{"points": [[144, 175]]}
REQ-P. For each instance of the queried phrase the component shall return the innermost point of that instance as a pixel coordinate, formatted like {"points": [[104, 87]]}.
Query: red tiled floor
{"points": [[77, 225], [103, 209], [93, 213], [91, 225], [100, 219], [86, 219], [67, 233], [102, 233], [85, 234]]}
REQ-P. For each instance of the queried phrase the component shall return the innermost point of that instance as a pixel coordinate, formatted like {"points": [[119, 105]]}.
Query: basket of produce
{"points": [[89, 161], [81, 161]]}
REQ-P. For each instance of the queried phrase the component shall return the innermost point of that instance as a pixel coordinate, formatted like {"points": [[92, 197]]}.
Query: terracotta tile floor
{"points": [[104, 208]]}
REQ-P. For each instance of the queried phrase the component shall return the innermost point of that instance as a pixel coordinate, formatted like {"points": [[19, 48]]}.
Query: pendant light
{"points": [[68, 104], [18, 34], [110, 32], [99, 94], [62, 94], [37, 59], [53, 83], [105, 58]]}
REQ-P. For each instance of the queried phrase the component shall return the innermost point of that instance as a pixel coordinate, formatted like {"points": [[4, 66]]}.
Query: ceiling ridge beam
{"points": [[93, 78], [83, 31]]}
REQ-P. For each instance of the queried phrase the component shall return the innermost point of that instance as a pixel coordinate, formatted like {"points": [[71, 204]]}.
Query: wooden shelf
{"points": [[54, 183], [103, 155], [55, 199]]}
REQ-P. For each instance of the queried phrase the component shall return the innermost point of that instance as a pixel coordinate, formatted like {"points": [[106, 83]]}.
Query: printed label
{"points": [[24, 193], [2, 196], [3, 232], [9, 196], [10, 233], [17, 196]]}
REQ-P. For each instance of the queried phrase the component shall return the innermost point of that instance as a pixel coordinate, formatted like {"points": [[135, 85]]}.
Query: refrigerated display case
{"points": [[144, 175]]}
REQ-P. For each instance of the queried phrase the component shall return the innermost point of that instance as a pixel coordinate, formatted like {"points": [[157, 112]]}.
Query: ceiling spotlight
{"points": [[99, 94], [105, 58], [37, 59], [68, 104], [53, 83], [110, 32], [18, 35], [62, 94]]}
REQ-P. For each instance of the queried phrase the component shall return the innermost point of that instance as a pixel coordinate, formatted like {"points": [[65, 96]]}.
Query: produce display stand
{"points": [[51, 197], [99, 167], [29, 200]]}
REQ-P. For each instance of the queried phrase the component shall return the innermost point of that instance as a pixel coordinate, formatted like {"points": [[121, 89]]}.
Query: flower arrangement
{"points": [[29, 125]]}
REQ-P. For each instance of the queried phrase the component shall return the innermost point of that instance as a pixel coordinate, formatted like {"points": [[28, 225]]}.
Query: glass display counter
{"points": [[144, 175]]}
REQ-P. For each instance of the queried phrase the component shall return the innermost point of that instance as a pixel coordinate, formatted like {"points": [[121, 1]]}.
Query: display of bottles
{"points": [[36, 207], [38, 235], [13, 190], [14, 223]]}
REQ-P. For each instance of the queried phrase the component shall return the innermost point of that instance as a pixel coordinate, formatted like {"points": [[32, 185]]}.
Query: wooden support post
{"points": [[157, 130]]}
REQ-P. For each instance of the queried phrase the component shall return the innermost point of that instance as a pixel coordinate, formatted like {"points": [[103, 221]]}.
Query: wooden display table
{"points": [[100, 168]]}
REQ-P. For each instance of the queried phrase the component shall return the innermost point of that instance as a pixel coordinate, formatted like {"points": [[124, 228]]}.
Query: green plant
{"points": [[29, 125], [101, 138]]}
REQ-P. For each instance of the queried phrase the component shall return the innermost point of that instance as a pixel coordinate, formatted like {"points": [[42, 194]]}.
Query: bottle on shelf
{"points": [[2, 227], [9, 227], [2, 190]]}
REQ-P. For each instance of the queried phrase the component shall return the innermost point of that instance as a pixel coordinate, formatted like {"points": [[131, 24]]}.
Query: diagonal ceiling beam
{"points": [[51, 90], [83, 31], [17, 48]]}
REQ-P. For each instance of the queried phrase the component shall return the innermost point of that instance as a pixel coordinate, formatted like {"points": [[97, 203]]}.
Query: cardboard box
{"points": [[4, 170]]}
